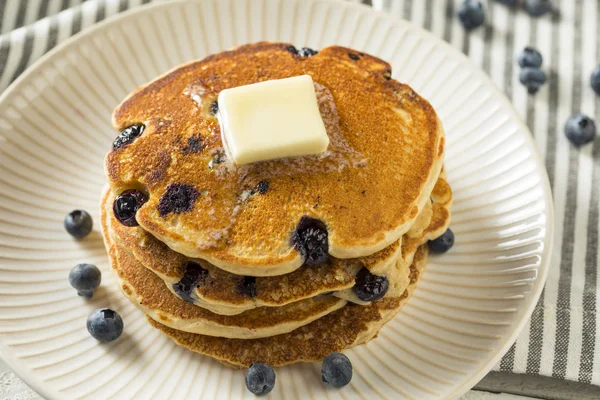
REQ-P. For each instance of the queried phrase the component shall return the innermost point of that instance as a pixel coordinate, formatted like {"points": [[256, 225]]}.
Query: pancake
{"points": [[347, 327], [386, 150], [148, 292], [225, 293], [441, 197]]}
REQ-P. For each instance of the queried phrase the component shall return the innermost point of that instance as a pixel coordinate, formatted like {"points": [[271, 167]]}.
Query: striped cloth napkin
{"points": [[562, 340]]}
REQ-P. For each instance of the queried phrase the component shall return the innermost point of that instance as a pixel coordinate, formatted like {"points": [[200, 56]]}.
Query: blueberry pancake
{"points": [[149, 293], [228, 294], [347, 327], [359, 197], [225, 293]]}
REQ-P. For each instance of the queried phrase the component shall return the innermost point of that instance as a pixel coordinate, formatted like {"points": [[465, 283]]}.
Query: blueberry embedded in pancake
{"points": [[310, 239], [126, 205]]}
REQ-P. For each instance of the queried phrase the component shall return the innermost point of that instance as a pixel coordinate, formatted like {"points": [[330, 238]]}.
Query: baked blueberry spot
{"points": [[262, 187], [194, 144], [214, 107], [218, 158], [307, 52], [127, 136], [126, 205], [247, 286], [310, 239], [387, 74], [193, 276], [353, 56], [292, 49], [178, 198], [369, 287]]}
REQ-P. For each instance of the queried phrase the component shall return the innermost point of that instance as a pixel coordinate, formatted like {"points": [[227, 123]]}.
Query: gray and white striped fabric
{"points": [[562, 340]]}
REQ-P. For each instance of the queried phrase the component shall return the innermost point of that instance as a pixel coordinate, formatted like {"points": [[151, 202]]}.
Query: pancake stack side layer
{"points": [[279, 261]]}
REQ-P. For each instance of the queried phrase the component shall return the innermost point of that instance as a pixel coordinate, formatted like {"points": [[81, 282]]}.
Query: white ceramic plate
{"points": [[55, 129]]}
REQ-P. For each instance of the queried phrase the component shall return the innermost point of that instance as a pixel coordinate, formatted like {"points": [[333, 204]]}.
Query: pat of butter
{"points": [[271, 119]]}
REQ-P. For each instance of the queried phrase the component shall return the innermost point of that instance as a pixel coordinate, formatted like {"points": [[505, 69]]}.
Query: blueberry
{"points": [[127, 136], [471, 14], [353, 56], [310, 239], [508, 2], [194, 274], [262, 187], [177, 199], [595, 80], [85, 278], [307, 52], [580, 129], [260, 379], [194, 144], [369, 287], [537, 7], [292, 49], [443, 243], [78, 223], [530, 57], [336, 370], [214, 107], [247, 286], [126, 205], [105, 325], [532, 78]]}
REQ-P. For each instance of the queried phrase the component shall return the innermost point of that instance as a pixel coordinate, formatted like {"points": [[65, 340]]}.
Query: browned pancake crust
{"points": [[366, 206], [337, 331]]}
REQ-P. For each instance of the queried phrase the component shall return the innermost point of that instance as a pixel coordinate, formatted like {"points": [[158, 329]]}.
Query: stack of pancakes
{"points": [[279, 261]]}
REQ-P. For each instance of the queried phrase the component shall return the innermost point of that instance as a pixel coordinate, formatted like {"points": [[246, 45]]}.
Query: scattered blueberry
{"points": [[262, 187], [537, 7], [532, 78], [194, 274], [78, 223], [443, 243], [247, 286], [127, 136], [214, 107], [310, 239], [353, 56], [105, 325], [260, 379], [126, 205], [369, 287], [471, 14], [508, 2], [530, 57], [306, 52], [85, 278], [595, 80], [336, 370], [580, 129], [177, 199]]}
